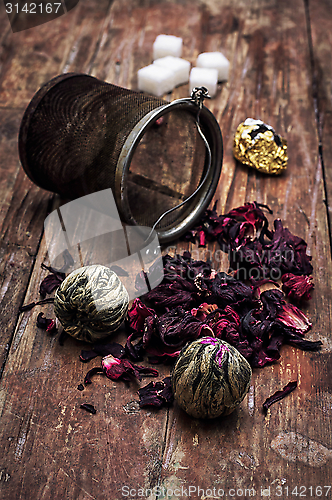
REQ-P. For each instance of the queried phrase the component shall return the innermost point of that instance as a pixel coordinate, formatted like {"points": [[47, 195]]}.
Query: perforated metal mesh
{"points": [[75, 129]]}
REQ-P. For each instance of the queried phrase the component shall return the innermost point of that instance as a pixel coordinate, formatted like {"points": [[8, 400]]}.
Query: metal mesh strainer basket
{"points": [[80, 135]]}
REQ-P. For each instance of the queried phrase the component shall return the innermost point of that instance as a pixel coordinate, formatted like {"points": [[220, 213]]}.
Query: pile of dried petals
{"points": [[195, 301]]}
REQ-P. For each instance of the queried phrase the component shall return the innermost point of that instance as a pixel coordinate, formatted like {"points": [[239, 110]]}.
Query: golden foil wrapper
{"points": [[257, 145]]}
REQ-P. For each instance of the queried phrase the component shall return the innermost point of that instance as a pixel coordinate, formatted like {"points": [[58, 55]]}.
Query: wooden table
{"points": [[280, 72]]}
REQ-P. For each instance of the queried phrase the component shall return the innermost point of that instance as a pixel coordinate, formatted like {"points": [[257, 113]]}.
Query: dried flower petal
{"points": [[88, 407], [292, 317], [30, 306], [93, 371], [287, 253], [226, 290], [137, 314], [297, 287], [103, 350], [115, 368], [203, 310], [277, 396], [46, 324], [156, 394], [49, 284]]}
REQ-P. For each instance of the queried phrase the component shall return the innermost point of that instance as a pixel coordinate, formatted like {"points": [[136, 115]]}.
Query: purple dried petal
{"points": [[30, 306], [115, 368], [46, 324], [203, 310], [287, 252], [296, 340], [201, 238], [103, 350], [156, 394], [179, 292], [226, 290], [292, 317], [262, 358], [277, 396], [137, 315], [135, 351], [297, 287], [93, 371], [88, 407], [51, 328], [87, 355], [49, 284], [177, 327]]}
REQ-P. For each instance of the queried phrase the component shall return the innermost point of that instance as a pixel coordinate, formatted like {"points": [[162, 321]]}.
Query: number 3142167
{"points": [[33, 8]]}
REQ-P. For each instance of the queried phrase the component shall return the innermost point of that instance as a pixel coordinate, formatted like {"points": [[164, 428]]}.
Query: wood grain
{"points": [[51, 447]]}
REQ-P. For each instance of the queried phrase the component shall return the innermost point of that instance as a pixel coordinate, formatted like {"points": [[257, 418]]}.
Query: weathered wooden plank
{"points": [[51, 444], [23, 209], [270, 71], [32, 57], [28, 59], [53, 449], [319, 30]]}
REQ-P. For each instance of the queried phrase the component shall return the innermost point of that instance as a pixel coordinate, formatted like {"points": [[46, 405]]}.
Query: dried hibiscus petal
{"points": [[297, 287], [292, 317], [88, 407], [296, 340], [177, 327], [156, 394], [137, 314], [30, 306], [277, 396], [103, 350], [203, 310], [46, 324], [226, 290], [241, 225], [51, 282], [116, 369], [287, 252]]}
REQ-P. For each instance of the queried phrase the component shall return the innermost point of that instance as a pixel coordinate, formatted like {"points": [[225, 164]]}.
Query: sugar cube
{"points": [[214, 60], [155, 80], [181, 68], [167, 45], [204, 77]]}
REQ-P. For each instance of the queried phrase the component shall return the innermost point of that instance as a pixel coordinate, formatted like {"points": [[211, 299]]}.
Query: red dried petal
{"points": [[137, 314], [277, 396], [292, 317], [297, 287], [156, 394]]}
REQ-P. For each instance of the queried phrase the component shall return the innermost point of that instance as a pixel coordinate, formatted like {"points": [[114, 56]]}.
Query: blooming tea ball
{"points": [[210, 378], [91, 303]]}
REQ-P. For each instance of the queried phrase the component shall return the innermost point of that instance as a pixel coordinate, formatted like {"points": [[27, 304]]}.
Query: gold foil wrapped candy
{"points": [[257, 145]]}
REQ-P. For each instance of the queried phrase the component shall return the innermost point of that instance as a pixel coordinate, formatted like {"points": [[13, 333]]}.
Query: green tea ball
{"points": [[91, 303], [210, 378]]}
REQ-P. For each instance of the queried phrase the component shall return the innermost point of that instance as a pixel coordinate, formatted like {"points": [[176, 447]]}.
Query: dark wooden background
{"points": [[280, 72]]}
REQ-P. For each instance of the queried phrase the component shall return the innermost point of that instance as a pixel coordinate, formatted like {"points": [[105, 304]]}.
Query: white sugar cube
{"points": [[167, 45], [204, 77], [181, 68], [155, 80], [214, 60]]}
